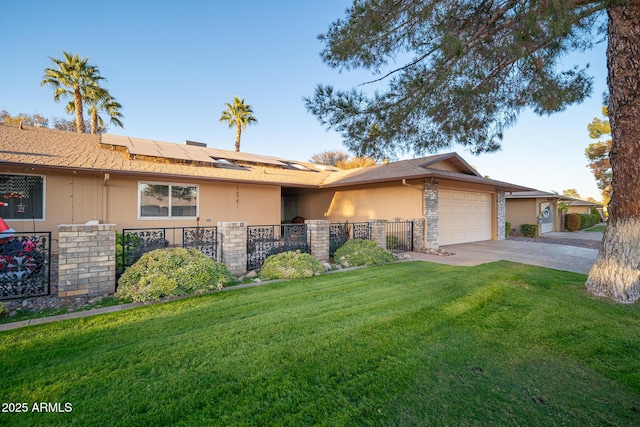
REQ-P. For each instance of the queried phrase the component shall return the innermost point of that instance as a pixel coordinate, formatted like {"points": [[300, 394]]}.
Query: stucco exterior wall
{"points": [[378, 201], [521, 211], [579, 209], [75, 198]]}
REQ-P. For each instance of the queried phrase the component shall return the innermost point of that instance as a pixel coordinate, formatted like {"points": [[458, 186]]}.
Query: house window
{"points": [[23, 195], [167, 200]]}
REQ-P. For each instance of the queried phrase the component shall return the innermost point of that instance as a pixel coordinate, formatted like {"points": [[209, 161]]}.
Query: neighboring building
{"points": [[51, 177], [580, 206], [543, 208]]}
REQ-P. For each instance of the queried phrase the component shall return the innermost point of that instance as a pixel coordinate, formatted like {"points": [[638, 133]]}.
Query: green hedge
{"points": [[290, 265], [172, 272], [588, 220], [576, 222], [361, 252], [529, 230], [131, 242]]}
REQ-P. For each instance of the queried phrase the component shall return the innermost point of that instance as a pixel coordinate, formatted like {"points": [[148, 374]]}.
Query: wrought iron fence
{"points": [[266, 240], [399, 235], [25, 264], [135, 242], [340, 233]]}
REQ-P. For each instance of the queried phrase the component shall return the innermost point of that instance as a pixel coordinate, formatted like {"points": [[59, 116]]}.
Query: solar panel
{"points": [[144, 148], [192, 151], [121, 141], [297, 166]]}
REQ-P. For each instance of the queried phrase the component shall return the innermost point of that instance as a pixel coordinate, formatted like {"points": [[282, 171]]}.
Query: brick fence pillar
{"points": [[418, 233], [87, 260], [431, 212], [318, 232], [233, 250], [502, 213], [378, 229]]}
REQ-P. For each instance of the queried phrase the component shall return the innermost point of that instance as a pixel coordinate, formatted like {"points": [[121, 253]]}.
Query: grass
{"points": [[402, 344], [596, 228]]}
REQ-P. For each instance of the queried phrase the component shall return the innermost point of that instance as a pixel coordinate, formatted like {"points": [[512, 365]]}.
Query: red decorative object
{"points": [[14, 195]]}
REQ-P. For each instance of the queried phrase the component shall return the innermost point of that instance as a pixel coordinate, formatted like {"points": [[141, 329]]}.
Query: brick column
{"points": [[87, 260], [502, 213], [418, 233], [378, 229], [233, 247], [431, 212], [318, 233]]}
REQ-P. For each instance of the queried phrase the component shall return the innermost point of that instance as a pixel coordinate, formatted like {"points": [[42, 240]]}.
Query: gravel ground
{"points": [[580, 243]]}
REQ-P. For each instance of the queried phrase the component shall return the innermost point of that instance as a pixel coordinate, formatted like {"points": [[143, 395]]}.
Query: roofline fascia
{"points": [[160, 175], [505, 185]]}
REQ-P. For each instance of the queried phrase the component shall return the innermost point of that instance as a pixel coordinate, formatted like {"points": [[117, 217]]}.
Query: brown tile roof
{"points": [[84, 152], [45, 147], [544, 194], [413, 169]]}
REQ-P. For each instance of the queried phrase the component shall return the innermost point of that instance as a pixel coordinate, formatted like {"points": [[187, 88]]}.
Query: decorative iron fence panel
{"points": [[340, 233], [399, 235], [135, 242], [266, 240], [205, 239], [25, 264], [361, 230]]}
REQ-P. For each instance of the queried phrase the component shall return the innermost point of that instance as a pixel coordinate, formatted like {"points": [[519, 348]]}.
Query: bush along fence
{"points": [[134, 242], [91, 255], [244, 248]]}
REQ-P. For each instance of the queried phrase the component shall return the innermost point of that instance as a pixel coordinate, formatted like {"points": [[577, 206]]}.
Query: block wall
{"points": [[87, 260]]}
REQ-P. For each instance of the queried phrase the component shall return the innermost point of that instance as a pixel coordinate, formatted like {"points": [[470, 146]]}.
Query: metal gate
{"points": [[133, 243], [25, 264], [266, 240], [399, 235]]}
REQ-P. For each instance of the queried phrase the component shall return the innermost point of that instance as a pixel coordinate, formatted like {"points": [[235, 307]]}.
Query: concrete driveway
{"points": [[559, 257]]}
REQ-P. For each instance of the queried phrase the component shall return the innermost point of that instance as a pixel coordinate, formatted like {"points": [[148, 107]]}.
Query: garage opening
{"points": [[464, 216]]}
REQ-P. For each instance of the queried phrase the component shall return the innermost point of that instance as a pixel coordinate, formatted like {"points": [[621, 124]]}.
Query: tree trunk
{"points": [[616, 272], [77, 100], [94, 120], [238, 132]]}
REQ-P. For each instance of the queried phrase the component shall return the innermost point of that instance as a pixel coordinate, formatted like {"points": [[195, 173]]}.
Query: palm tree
{"points": [[239, 115], [73, 77], [100, 100]]}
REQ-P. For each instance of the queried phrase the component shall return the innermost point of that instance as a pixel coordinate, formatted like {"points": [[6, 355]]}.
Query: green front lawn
{"points": [[401, 344], [597, 228]]}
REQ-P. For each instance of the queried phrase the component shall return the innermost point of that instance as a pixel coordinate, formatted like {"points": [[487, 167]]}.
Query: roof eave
{"points": [[471, 179]]}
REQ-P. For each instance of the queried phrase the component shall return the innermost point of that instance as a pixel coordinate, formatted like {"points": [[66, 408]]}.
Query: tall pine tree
{"points": [[469, 67]]}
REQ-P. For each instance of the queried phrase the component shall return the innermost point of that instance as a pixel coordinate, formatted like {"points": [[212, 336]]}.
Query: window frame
{"points": [[44, 199], [170, 197]]}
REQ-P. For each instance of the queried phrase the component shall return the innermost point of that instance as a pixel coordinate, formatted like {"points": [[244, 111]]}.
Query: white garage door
{"points": [[463, 216]]}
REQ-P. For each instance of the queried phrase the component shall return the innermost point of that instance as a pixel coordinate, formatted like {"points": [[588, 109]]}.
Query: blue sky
{"points": [[173, 66]]}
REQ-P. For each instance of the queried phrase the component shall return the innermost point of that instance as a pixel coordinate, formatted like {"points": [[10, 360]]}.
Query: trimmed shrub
{"points": [[171, 272], [573, 222], [588, 220], [357, 252], [3, 309], [529, 230], [507, 229], [131, 242], [392, 242], [290, 265]]}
